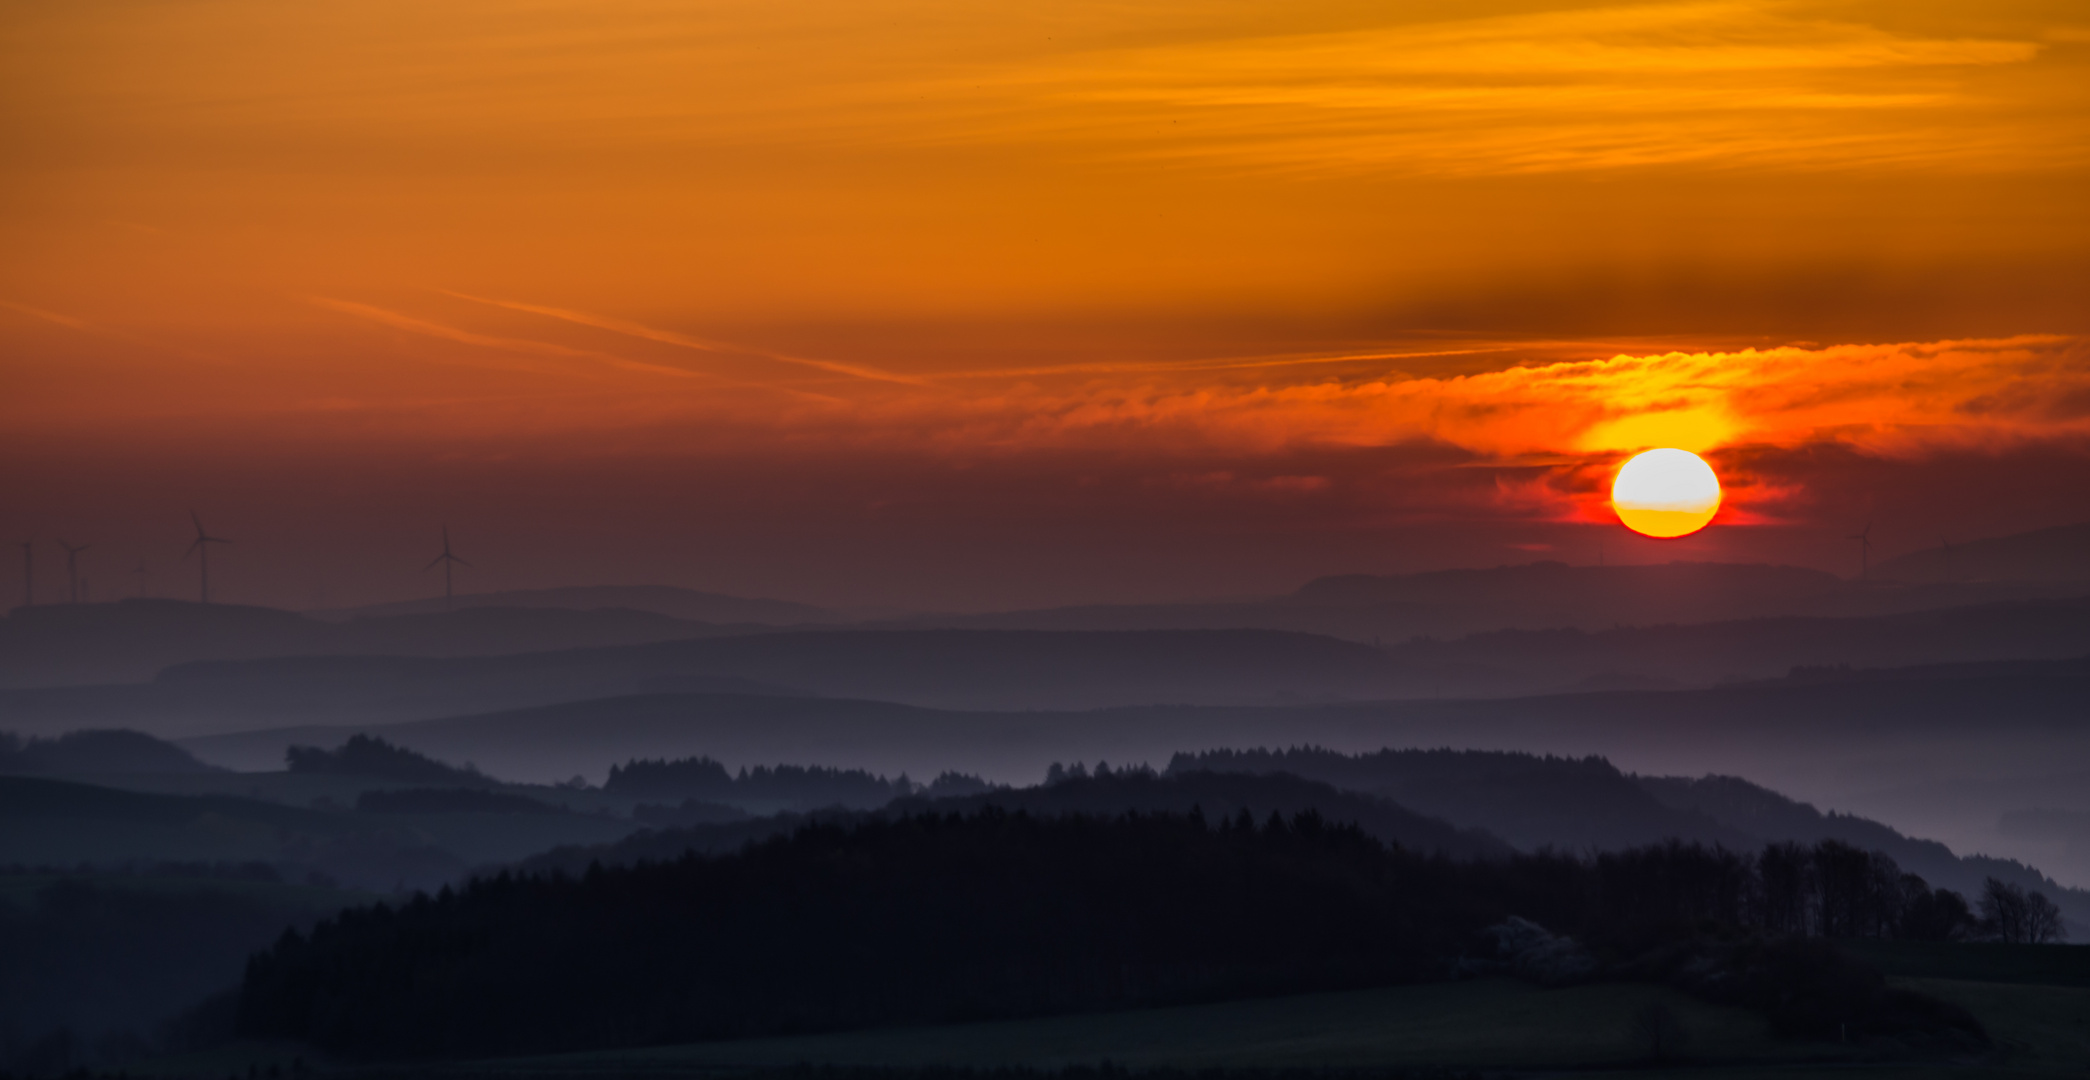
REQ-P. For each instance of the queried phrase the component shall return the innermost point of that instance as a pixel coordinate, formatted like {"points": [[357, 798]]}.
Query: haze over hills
{"points": [[1535, 596], [1823, 738], [1703, 654], [1493, 631], [2061, 553], [1465, 804], [690, 605], [990, 669], [133, 640], [1588, 804], [958, 668]]}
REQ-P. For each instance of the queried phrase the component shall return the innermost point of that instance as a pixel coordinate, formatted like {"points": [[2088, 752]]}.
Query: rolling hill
{"points": [[948, 668], [688, 605], [1539, 596], [2057, 554], [133, 640]]}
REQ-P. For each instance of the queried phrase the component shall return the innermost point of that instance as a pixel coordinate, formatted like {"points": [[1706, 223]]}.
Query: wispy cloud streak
{"points": [[685, 341]]}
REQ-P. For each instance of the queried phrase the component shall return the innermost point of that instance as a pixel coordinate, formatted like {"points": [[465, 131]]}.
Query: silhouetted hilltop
{"points": [[91, 753], [368, 756], [763, 787], [685, 604], [1217, 795], [1587, 804], [1531, 801], [2057, 554]]}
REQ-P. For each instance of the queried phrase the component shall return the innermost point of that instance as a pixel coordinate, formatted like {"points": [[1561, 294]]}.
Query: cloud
{"points": [[1749, 85], [1895, 399]]}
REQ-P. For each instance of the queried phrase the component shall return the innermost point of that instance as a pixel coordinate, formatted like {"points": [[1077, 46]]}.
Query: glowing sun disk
{"points": [[1666, 493]]}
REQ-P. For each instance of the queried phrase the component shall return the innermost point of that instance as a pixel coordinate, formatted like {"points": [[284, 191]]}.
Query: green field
{"points": [[1495, 1026], [1979, 961], [1489, 1023]]}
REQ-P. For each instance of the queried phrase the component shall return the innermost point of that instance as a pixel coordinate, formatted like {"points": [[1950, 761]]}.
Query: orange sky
{"points": [[1381, 266]]}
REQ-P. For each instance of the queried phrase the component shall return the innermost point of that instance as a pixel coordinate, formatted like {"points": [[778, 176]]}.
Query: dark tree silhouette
{"points": [[2011, 914]]}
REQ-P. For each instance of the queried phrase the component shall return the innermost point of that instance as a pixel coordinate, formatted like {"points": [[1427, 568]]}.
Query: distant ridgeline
{"points": [[703, 781], [368, 756], [90, 753], [1581, 804], [939, 918]]}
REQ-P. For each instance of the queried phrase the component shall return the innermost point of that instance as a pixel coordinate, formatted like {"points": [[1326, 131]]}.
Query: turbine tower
{"points": [[202, 548], [1864, 540], [445, 560], [72, 569]]}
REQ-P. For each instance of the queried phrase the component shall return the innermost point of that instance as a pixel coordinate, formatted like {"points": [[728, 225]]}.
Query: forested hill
{"points": [[1126, 791], [1532, 801], [1138, 791], [1581, 804], [951, 918]]}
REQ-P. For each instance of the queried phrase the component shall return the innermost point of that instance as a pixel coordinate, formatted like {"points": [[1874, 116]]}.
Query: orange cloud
{"points": [[1898, 399]]}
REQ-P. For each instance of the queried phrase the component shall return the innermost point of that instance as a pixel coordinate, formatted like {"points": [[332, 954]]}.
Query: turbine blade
{"points": [[197, 521], [432, 564]]}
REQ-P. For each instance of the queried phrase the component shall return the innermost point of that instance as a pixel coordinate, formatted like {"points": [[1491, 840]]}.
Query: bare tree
{"points": [[2043, 921], [1657, 1027], [2006, 912]]}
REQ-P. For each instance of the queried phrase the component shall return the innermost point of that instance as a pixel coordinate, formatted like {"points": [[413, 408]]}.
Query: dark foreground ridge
{"points": [[947, 918]]}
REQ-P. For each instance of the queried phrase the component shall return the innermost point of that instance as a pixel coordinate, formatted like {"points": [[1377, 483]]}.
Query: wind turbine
{"points": [[202, 547], [72, 569], [445, 560], [1864, 540]]}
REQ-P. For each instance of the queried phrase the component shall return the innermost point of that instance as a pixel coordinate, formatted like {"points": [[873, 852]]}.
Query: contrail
{"points": [[48, 316], [466, 337], [670, 337]]}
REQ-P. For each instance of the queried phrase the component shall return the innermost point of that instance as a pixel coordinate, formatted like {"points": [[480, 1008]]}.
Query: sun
{"points": [[1666, 493]]}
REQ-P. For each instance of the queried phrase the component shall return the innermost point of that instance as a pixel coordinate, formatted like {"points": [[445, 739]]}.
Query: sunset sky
{"points": [[935, 304]]}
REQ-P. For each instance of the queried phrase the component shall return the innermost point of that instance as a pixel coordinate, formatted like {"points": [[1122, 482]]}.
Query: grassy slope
{"points": [[1499, 1022], [1495, 1024], [2041, 1025], [2036, 1028]]}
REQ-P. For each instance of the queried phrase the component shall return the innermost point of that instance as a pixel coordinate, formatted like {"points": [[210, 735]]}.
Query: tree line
{"points": [[704, 780], [945, 917]]}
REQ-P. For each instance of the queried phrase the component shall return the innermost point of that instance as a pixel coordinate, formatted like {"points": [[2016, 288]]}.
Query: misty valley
{"points": [[1846, 827]]}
